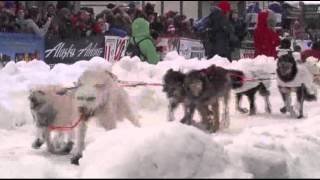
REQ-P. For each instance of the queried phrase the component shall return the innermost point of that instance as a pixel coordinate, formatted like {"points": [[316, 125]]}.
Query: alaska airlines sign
{"points": [[69, 51]]}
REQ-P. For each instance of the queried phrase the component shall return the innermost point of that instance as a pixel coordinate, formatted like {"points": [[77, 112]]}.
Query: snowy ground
{"points": [[258, 146]]}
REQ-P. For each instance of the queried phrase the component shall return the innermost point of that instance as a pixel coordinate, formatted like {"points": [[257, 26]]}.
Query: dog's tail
{"points": [[236, 78], [307, 95]]}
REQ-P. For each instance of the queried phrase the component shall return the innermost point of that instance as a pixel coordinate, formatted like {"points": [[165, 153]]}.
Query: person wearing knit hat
{"points": [[225, 7]]}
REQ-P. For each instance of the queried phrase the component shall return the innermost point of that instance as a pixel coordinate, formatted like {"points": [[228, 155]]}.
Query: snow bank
{"points": [[169, 151], [28, 167], [279, 151]]}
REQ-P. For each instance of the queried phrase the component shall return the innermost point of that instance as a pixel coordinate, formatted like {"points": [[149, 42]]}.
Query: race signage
{"points": [[115, 47]]}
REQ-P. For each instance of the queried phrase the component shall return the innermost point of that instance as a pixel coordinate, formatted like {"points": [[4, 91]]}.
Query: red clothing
{"points": [[265, 39], [310, 52], [225, 7]]}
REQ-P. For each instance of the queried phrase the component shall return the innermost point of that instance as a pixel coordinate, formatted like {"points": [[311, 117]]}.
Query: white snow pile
{"points": [[169, 151], [286, 151], [32, 166]]}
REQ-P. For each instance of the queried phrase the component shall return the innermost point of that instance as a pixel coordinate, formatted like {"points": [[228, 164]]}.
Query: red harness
{"points": [[64, 128]]}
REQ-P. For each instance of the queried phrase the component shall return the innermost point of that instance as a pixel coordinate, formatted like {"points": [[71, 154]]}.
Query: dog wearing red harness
{"points": [[51, 109], [98, 94]]}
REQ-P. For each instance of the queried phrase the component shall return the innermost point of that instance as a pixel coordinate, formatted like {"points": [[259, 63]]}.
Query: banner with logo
{"points": [[20, 47], [191, 48], [69, 51], [115, 47]]}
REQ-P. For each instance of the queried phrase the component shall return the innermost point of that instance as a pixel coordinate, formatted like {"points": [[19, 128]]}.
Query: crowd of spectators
{"points": [[62, 22]]}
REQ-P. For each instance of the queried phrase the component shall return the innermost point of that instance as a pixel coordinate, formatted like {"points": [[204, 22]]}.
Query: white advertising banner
{"points": [[115, 47]]}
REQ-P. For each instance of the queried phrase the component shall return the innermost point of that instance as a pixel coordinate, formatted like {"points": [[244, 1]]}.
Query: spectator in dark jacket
{"points": [[240, 26], [219, 37]]}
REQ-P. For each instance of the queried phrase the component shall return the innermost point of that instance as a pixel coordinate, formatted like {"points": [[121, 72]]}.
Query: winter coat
{"points": [[219, 38], [310, 52], [140, 31], [240, 28], [275, 7], [114, 31], [265, 39], [253, 8]]}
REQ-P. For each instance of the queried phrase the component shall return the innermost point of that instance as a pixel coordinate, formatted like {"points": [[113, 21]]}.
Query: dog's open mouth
{"points": [[34, 103], [85, 113]]}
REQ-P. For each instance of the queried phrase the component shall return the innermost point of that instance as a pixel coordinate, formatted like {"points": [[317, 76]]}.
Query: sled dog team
{"points": [[97, 94]]}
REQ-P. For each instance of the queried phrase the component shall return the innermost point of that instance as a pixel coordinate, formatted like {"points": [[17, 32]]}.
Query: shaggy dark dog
{"points": [[173, 87], [238, 82], [288, 73], [199, 90], [203, 90]]}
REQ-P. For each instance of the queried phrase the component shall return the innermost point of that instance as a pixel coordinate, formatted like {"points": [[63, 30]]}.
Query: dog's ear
{"points": [[62, 92], [41, 92], [76, 84], [113, 76]]}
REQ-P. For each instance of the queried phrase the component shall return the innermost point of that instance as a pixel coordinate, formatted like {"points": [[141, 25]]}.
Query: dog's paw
{"points": [[213, 129], [75, 159], [243, 110], [186, 121], [67, 149], [252, 112], [37, 144], [170, 117], [293, 114], [268, 110], [225, 124], [300, 117], [283, 110]]}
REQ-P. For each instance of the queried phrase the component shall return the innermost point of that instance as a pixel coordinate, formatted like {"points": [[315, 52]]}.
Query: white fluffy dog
{"points": [[99, 95], [51, 109], [313, 66]]}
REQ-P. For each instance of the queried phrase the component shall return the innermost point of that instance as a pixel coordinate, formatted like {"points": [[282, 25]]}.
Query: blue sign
{"points": [[21, 47]]}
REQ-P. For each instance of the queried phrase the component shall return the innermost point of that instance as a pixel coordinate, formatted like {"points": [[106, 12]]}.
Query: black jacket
{"points": [[219, 38]]}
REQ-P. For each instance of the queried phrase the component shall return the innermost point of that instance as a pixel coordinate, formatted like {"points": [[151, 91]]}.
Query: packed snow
{"points": [[260, 146]]}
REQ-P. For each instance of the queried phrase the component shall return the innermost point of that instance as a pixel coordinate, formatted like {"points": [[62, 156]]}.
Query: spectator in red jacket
{"points": [[265, 38], [314, 51]]}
